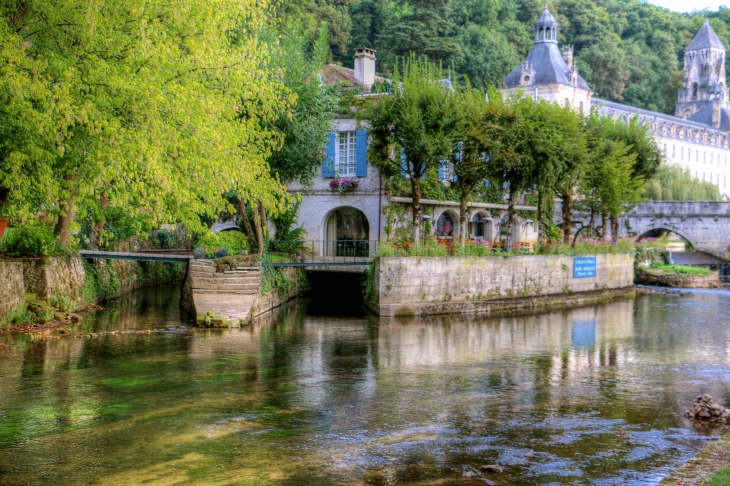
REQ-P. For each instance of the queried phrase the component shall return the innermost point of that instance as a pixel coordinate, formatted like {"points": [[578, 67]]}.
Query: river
{"points": [[585, 396]]}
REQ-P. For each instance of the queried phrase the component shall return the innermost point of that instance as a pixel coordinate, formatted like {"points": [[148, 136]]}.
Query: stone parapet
{"points": [[475, 285]]}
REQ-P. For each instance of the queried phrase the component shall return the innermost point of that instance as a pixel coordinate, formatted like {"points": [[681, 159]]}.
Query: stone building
{"points": [[347, 208], [696, 138]]}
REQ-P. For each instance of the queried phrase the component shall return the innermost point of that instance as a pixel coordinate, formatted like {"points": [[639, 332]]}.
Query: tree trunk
{"points": [[259, 232], [510, 220], [567, 217], [614, 229], [463, 213], [246, 222], [604, 225], [65, 218], [264, 226], [4, 195], [416, 186], [100, 219]]}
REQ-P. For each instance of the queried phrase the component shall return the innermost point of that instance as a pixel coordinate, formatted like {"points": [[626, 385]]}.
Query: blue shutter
{"points": [[442, 171], [328, 166], [361, 152], [403, 164]]}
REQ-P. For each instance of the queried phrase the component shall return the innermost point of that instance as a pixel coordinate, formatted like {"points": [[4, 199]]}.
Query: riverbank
{"points": [[715, 457], [40, 290]]}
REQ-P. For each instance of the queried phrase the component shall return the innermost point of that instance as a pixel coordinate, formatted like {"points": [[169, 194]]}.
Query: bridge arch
{"points": [[657, 231]]}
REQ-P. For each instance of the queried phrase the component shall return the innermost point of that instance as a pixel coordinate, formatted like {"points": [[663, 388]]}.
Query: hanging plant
{"points": [[343, 185]]}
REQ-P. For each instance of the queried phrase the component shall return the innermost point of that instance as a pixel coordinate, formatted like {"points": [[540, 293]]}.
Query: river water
{"points": [[585, 396]]}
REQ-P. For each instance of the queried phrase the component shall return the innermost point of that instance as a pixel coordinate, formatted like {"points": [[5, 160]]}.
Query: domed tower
{"points": [[705, 78], [549, 73]]}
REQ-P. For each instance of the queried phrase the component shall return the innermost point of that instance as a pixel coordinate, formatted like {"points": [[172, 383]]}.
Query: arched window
{"points": [[695, 92]]}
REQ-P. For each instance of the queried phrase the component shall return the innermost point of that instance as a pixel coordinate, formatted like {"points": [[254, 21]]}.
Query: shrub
{"points": [[232, 241], [199, 253], [62, 302], [680, 269], [32, 240]]}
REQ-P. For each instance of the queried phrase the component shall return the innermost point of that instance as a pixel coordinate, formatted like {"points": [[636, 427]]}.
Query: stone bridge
{"points": [[706, 225]]}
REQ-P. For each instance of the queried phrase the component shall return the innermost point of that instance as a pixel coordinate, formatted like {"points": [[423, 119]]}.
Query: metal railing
{"points": [[288, 253]]}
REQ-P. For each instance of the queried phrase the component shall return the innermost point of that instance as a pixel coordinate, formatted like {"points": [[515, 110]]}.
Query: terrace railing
{"points": [[286, 253]]}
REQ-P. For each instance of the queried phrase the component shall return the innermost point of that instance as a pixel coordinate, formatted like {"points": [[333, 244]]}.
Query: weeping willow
{"points": [[675, 183]]}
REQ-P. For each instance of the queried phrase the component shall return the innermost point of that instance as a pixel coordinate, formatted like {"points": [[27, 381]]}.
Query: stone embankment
{"points": [[407, 287], [220, 299], [659, 278]]}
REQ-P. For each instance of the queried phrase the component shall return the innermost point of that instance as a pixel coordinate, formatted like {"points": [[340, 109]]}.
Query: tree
{"points": [[675, 183], [160, 108], [424, 29], [302, 125], [411, 126], [476, 143]]}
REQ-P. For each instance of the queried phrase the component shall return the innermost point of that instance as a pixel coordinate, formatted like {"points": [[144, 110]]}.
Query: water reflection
{"points": [[584, 396]]}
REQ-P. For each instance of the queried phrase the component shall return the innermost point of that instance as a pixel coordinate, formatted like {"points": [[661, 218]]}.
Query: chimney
{"points": [[568, 56], [365, 66]]}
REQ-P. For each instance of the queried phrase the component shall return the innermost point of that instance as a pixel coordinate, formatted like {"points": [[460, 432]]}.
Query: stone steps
{"points": [[223, 276], [204, 281], [227, 287], [231, 292]]}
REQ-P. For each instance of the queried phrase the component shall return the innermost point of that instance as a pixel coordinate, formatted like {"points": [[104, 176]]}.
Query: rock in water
{"points": [[492, 469]]}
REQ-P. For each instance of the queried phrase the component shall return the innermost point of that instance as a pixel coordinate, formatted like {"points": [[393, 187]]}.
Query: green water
{"points": [[587, 396]]}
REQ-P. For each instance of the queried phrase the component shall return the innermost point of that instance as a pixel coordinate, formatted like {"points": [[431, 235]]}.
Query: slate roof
{"points": [[606, 106], [705, 39], [704, 116], [547, 19], [547, 61]]}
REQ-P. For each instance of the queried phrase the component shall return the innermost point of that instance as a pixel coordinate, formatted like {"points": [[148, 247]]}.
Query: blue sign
{"points": [[584, 267]]}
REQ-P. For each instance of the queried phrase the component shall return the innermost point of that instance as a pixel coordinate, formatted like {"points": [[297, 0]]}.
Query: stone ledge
{"points": [[497, 306]]}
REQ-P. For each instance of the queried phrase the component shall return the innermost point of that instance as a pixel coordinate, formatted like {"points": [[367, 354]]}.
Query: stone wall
{"points": [[472, 285], [12, 292], [46, 277]]}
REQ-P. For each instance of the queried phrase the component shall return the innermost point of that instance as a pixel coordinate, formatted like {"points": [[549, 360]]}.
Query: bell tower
{"points": [[704, 71]]}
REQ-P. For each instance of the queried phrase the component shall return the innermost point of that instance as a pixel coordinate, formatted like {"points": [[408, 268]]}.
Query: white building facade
{"points": [[696, 138]]}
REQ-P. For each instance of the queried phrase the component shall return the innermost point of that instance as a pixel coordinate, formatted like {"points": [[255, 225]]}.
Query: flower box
{"points": [[343, 185]]}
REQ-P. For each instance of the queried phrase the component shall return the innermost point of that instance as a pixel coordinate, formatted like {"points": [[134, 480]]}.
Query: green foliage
{"points": [[159, 107], [404, 248], [233, 241], [680, 269], [102, 281], [305, 124], [719, 478], [627, 50], [675, 183], [62, 302], [31, 240]]}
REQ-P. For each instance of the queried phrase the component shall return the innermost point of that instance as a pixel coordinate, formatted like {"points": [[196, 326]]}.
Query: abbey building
{"points": [[696, 138]]}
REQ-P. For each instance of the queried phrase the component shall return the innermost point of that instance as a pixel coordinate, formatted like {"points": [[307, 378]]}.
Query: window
{"points": [[704, 157], [346, 156], [581, 107], [682, 152], [674, 151]]}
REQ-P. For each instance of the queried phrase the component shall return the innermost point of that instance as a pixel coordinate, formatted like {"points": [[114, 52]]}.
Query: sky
{"points": [[687, 6]]}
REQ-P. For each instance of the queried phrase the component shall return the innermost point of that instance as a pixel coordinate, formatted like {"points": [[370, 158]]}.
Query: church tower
{"points": [[705, 79], [548, 72]]}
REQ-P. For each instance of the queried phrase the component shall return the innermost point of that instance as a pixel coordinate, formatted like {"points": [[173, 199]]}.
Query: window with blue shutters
{"points": [[347, 154], [328, 166], [361, 153]]}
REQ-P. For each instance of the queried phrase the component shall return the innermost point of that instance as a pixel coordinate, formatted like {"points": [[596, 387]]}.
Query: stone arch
{"points": [[657, 231], [482, 225], [225, 225], [446, 224], [346, 232]]}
